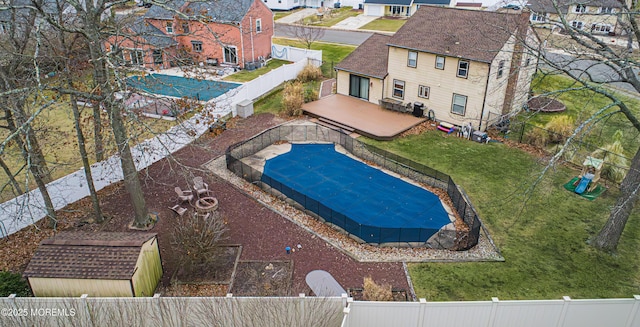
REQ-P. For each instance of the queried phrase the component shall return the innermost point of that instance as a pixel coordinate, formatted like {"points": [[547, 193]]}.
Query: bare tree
{"points": [[306, 34], [595, 63]]}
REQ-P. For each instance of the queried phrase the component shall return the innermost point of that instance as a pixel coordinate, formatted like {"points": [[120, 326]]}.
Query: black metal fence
{"points": [[577, 151], [450, 239]]}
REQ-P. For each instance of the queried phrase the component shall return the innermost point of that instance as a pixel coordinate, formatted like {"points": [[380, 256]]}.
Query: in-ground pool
{"points": [[364, 201], [176, 86]]}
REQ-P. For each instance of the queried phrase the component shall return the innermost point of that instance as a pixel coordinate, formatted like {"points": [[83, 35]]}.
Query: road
{"points": [[593, 69], [330, 35]]}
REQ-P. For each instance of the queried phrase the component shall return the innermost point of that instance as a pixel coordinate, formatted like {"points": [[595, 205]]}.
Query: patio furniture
{"points": [[200, 186], [184, 196], [178, 210]]}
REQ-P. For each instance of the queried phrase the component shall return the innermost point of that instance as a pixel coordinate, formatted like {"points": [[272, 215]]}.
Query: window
{"points": [[196, 46], [157, 57], [577, 25], [463, 69], [607, 10], [258, 25], [527, 62], [169, 27], [423, 91], [137, 57], [580, 8], [604, 28], [535, 17], [459, 104], [500, 68], [397, 10], [412, 60], [185, 27], [439, 62], [230, 55], [359, 87], [398, 89]]}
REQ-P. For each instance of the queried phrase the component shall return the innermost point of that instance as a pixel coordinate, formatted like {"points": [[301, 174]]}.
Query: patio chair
{"points": [[178, 210], [184, 196], [200, 186]]}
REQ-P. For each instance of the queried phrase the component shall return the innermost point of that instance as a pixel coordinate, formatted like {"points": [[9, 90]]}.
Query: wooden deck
{"points": [[361, 116]]}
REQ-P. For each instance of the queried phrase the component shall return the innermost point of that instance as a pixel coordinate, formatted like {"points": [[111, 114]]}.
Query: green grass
{"points": [[280, 14], [337, 15], [583, 103], [332, 53], [272, 101], [246, 75], [543, 243], [384, 24]]}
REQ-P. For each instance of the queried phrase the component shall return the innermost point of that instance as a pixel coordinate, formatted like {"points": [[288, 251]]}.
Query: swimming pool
{"points": [[363, 200], [178, 87]]}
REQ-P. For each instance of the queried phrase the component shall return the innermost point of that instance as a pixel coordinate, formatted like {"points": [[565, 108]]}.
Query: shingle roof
{"points": [[154, 36], [369, 59], [389, 2], [217, 11], [471, 34], [98, 255], [547, 6]]}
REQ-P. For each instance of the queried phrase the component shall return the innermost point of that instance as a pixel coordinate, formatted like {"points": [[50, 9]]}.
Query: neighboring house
{"points": [[464, 65], [596, 16], [224, 32], [100, 264], [399, 8]]}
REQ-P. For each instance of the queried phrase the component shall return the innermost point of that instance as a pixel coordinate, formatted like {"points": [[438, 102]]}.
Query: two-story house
{"points": [[225, 32], [399, 8], [465, 66], [595, 16]]}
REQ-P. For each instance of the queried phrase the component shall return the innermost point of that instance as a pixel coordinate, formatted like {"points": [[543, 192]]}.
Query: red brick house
{"points": [[224, 32]]}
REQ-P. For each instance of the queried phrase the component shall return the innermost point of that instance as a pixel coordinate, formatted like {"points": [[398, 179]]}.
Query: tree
{"points": [[306, 34], [594, 62]]}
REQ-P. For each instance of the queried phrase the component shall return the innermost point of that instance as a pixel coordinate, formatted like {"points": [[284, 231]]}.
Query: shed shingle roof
{"points": [[81, 255], [470, 34], [369, 59]]}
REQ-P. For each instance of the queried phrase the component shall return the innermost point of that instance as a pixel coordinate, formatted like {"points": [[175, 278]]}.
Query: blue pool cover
{"points": [[176, 86], [363, 200]]}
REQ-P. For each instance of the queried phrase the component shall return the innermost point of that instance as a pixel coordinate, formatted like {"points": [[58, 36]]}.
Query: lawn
{"points": [[336, 16], [59, 144], [384, 24], [580, 105], [543, 242], [248, 75], [332, 53]]}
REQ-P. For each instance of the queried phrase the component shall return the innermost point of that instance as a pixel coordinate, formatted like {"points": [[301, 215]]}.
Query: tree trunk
{"points": [[17, 190], [97, 132], [129, 171], [609, 236]]}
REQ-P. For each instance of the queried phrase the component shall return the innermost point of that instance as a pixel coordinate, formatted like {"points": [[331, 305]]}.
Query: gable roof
{"points": [[369, 59], [222, 11], [470, 34], [84, 255], [547, 6], [389, 2], [153, 35]]}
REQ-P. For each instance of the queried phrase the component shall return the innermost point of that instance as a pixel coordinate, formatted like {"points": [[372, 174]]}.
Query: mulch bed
{"points": [[263, 278], [262, 233]]}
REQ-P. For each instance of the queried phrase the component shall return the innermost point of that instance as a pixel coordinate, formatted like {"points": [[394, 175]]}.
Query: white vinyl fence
{"points": [[173, 311], [496, 313], [29, 208]]}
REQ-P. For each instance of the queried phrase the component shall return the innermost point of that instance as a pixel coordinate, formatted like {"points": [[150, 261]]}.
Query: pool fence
{"points": [[444, 238]]}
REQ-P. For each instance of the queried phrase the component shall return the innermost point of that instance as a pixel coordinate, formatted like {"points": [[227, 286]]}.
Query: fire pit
{"points": [[206, 204]]}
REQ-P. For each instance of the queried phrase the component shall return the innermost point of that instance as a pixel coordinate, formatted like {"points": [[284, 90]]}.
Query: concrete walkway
{"points": [[298, 15], [354, 23]]}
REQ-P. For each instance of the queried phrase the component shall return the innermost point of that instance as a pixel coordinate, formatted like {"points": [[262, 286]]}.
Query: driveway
{"points": [[296, 16], [353, 23]]}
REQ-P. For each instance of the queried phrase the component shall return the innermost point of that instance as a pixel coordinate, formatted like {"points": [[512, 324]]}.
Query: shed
{"points": [[100, 264]]}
